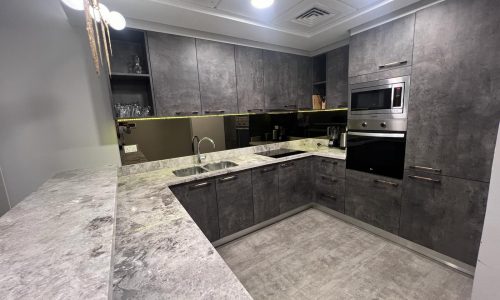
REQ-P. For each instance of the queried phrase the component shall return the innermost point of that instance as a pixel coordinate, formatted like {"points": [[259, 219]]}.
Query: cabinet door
{"points": [[217, 77], [304, 82], [454, 97], [294, 184], [280, 80], [330, 192], [337, 63], [234, 196], [249, 79], [200, 201], [444, 213], [378, 48], [373, 199], [174, 73], [265, 183]]}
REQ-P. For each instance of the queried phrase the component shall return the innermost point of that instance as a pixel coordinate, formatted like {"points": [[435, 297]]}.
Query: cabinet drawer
{"points": [[330, 192], [330, 167], [374, 199]]}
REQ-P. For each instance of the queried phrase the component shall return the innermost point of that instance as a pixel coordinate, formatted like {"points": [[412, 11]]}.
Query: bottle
{"points": [[137, 65]]}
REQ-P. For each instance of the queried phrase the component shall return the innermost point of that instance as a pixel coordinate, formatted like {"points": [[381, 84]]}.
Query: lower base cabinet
{"points": [[443, 213], [374, 199], [295, 184], [200, 201], [235, 202], [265, 193], [330, 192]]}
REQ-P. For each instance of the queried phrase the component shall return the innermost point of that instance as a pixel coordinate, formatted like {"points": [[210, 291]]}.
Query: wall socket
{"points": [[130, 148]]}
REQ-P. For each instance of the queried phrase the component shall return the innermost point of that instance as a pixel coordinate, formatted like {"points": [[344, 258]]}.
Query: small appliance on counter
{"points": [[333, 136]]}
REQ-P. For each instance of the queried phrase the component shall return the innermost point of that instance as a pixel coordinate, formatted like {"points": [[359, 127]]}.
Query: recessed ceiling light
{"points": [[262, 3]]}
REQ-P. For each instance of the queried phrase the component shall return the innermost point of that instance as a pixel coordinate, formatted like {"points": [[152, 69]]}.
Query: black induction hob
{"points": [[280, 153]]}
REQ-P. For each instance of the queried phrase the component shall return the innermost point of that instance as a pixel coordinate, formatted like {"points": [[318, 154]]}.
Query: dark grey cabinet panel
{"points": [[389, 43], [280, 80], [304, 82], [265, 183], [445, 214], [234, 197], [374, 199], [337, 69], [334, 168], [455, 98], [200, 201], [294, 184], [175, 74], [249, 79], [217, 75], [330, 192]]}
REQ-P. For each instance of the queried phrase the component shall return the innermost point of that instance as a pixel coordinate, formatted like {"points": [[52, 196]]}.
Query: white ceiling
{"points": [[275, 27]]}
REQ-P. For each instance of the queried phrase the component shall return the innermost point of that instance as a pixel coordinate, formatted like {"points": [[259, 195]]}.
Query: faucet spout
{"points": [[204, 139]]}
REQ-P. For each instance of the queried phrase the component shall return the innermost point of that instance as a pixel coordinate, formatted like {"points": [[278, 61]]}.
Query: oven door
{"points": [[381, 153]]}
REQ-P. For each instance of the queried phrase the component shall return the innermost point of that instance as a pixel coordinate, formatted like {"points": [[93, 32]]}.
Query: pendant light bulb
{"points": [[117, 21]]}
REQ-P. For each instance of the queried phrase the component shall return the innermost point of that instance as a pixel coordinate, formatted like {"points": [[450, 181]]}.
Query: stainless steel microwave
{"points": [[382, 99]]}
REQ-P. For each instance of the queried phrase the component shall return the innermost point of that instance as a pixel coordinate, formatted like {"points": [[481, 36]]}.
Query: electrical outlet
{"points": [[130, 148]]}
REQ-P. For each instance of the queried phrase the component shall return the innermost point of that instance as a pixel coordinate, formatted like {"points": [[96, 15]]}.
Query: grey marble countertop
{"points": [[57, 243]]}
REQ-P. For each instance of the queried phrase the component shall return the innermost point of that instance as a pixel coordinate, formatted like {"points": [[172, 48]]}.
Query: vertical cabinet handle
{"points": [[225, 179], [199, 185], [393, 64], [386, 182], [424, 179], [428, 169]]}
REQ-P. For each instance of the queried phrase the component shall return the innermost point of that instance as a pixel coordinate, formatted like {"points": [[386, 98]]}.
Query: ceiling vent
{"points": [[313, 16]]}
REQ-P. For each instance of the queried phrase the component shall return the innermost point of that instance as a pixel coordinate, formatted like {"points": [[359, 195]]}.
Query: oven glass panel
{"points": [[377, 155], [371, 100]]}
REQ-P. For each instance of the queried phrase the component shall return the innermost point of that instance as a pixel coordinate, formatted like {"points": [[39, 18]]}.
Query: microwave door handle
{"points": [[377, 134]]}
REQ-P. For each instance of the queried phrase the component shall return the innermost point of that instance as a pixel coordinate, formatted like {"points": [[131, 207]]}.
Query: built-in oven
{"points": [[381, 153], [381, 101]]}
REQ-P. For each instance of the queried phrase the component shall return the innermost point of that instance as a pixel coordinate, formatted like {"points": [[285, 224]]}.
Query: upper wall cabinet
{"points": [[337, 63], [381, 48], [217, 75], [250, 79], [175, 74], [304, 81], [454, 104], [280, 80]]}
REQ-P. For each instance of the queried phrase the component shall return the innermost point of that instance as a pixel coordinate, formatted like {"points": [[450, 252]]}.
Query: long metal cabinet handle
{"points": [[265, 170], [287, 165], [386, 182], [199, 185], [393, 64], [214, 111], [291, 105], [180, 113], [328, 179], [424, 179], [377, 134], [329, 196], [425, 169], [228, 178], [255, 109], [333, 162]]}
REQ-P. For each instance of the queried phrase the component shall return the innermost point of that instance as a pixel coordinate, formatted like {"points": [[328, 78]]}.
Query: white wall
{"points": [[55, 112], [487, 276]]}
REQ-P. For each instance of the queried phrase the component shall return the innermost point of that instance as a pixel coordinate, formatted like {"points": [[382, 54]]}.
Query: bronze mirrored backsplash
{"points": [[170, 138]]}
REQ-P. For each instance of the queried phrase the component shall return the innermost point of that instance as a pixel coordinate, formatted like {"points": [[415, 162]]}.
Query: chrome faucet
{"points": [[200, 157]]}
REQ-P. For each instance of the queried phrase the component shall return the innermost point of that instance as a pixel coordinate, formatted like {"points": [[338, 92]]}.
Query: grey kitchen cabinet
{"points": [[373, 199], [217, 76], [443, 213], [249, 79], [334, 168], [294, 184], [304, 82], [330, 192], [386, 46], [235, 201], [337, 69], [280, 80], [454, 98], [200, 201], [174, 71], [266, 202]]}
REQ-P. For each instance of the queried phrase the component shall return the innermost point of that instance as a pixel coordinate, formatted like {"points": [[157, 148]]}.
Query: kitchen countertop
{"points": [[58, 242]]}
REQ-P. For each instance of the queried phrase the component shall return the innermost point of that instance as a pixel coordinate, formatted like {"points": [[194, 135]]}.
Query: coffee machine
{"points": [[333, 133]]}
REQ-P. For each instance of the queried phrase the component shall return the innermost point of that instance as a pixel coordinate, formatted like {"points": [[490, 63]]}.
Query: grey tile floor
{"points": [[313, 255]]}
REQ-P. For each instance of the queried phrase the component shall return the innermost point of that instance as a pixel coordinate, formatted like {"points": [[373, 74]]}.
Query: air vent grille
{"points": [[313, 16]]}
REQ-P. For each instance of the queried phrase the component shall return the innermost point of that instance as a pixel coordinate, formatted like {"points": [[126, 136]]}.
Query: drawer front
{"points": [[329, 166], [330, 192]]}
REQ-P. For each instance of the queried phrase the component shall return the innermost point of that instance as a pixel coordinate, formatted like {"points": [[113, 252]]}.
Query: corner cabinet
{"points": [[294, 184], [266, 202], [381, 48], [174, 69], [217, 75], [337, 68]]}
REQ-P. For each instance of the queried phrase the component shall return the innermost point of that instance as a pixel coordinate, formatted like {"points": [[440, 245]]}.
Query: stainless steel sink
{"points": [[220, 165], [189, 171]]}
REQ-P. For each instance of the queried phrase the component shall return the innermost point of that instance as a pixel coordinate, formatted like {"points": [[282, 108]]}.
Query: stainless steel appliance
{"points": [[379, 105]]}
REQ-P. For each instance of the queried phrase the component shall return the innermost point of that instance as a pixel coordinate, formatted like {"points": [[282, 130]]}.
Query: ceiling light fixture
{"points": [[261, 4]]}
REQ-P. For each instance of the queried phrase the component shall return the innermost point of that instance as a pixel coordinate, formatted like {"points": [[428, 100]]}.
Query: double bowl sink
{"points": [[203, 169]]}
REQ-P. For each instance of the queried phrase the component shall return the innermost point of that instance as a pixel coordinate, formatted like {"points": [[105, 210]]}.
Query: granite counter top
{"points": [[57, 243]]}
